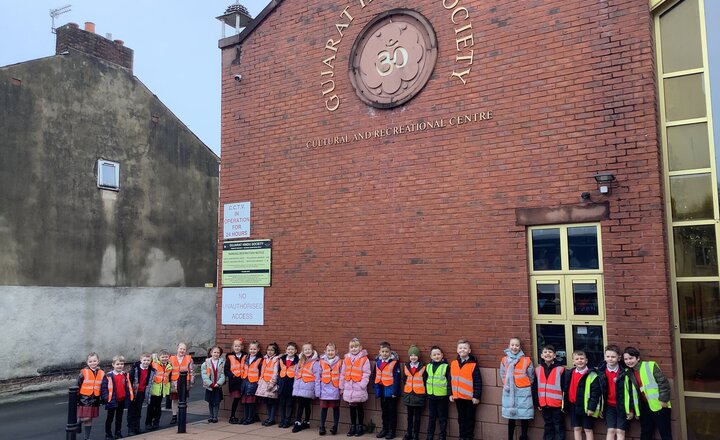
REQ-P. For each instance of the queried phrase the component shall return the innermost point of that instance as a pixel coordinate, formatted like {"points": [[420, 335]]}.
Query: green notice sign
{"points": [[246, 263]]}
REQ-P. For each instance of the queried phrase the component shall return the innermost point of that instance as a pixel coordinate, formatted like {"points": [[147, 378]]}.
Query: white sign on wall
{"points": [[236, 222], [243, 306]]}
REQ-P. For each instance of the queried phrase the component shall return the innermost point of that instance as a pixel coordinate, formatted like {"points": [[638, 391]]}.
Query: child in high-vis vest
{"points": [[89, 383], [516, 372], [583, 396], [548, 391], [159, 388], [304, 386], [413, 392], [141, 375], [268, 384], [117, 392], [611, 376], [181, 361], [438, 389], [286, 379], [387, 388], [649, 392], [213, 377], [466, 383], [327, 387], [251, 363], [233, 375], [353, 385]]}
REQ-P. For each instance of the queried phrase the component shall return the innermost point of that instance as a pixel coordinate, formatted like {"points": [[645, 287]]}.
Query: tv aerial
{"points": [[54, 13]]}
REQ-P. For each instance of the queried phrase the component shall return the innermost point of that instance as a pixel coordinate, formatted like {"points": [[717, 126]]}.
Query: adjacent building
{"points": [[438, 170], [108, 213]]}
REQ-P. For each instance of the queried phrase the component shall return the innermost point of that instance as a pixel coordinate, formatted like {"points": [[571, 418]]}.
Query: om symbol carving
{"points": [[393, 58]]}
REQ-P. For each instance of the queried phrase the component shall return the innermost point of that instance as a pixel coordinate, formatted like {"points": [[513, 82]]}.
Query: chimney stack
{"points": [[87, 41]]}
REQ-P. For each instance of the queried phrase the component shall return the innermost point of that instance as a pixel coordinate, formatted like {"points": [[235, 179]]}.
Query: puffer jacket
{"points": [[302, 388], [517, 402], [208, 378], [356, 392], [327, 391], [269, 388], [394, 389], [105, 391]]}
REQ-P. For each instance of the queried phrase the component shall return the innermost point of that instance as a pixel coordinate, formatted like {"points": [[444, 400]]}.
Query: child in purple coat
{"points": [[353, 385], [327, 387], [304, 386]]}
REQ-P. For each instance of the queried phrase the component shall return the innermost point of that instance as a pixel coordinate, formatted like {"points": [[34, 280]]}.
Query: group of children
{"points": [[150, 380], [291, 381], [618, 390]]}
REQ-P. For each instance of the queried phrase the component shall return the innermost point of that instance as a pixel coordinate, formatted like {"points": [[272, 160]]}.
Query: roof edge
{"points": [[239, 38]]}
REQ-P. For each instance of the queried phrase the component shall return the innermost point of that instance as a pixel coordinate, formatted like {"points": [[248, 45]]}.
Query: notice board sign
{"points": [[243, 306], [246, 263], [236, 220]]}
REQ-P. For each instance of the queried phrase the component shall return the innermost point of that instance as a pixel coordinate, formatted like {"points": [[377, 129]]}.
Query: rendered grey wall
{"points": [[50, 328], [58, 116]]}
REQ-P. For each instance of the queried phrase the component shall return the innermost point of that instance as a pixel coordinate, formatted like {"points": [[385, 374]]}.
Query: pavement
{"points": [[225, 431]]}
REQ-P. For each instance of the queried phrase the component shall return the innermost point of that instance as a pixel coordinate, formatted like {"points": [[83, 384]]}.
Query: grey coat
{"points": [[517, 402]]}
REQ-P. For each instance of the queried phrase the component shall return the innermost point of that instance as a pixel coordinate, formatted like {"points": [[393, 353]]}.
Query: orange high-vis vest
{"points": [[330, 373], [520, 372], [385, 376], [236, 365], [306, 373], [549, 388], [269, 366], [286, 371], [91, 382], [111, 385], [461, 380], [414, 382], [178, 367], [161, 374], [251, 371], [353, 370]]}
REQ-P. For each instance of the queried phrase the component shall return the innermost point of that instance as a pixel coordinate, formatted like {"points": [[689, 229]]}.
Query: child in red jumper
{"points": [[583, 396], [117, 392], [140, 376], [611, 376]]}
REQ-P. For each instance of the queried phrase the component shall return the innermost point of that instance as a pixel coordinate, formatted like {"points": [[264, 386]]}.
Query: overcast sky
{"points": [[175, 44]]}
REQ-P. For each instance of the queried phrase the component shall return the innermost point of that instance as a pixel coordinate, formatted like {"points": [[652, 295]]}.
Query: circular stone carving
{"points": [[392, 58]]}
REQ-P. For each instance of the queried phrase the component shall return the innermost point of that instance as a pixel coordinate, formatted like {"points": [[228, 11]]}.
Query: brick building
{"points": [[541, 169]]}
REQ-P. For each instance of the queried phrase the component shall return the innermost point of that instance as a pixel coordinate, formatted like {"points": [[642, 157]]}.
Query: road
{"points": [[45, 418]]}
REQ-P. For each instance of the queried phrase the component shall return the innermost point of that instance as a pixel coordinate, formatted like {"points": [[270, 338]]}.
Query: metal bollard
{"points": [[72, 420], [182, 401]]}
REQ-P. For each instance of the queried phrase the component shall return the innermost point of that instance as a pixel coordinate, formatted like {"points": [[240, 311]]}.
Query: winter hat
{"points": [[413, 350]]}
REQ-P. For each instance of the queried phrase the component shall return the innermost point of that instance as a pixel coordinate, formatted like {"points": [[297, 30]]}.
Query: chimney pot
{"points": [[74, 25], [90, 26], [120, 42]]}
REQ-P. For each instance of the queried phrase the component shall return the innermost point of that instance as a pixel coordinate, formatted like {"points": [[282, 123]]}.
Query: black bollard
{"points": [[182, 401], [72, 420]]}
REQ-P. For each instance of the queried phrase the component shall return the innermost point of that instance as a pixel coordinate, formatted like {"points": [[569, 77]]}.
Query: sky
{"points": [[175, 44]]}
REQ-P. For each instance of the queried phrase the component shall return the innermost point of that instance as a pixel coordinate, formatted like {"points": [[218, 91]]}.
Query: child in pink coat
{"points": [[353, 385]]}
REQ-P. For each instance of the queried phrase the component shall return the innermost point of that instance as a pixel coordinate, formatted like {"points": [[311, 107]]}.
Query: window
{"points": [[108, 175], [566, 287]]}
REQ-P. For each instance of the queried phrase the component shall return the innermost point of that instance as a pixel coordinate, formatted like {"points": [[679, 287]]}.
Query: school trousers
{"points": [[554, 423], [649, 420], [466, 418]]}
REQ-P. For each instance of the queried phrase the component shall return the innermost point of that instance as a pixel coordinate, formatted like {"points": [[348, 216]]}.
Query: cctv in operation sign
{"points": [[246, 263]]}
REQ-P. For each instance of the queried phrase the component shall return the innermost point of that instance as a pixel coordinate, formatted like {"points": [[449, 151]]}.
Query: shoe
{"points": [[382, 433], [296, 427], [270, 422], [264, 422], [305, 425], [109, 437], [322, 431], [390, 435], [286, 424], [215, 419], [360, 430], [333, 430], [148, 427], [353, 430], [246, 422], [233, 421], [173, 420], [118, 435], [210, 420], [156, 425], [408, 436]]}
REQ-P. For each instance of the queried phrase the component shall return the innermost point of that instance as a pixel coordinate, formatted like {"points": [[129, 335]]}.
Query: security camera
{"points": [[585, 196], [238, 77]]}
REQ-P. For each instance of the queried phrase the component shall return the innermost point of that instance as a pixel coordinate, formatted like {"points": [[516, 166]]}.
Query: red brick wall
{"points": [[412, 238]]}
